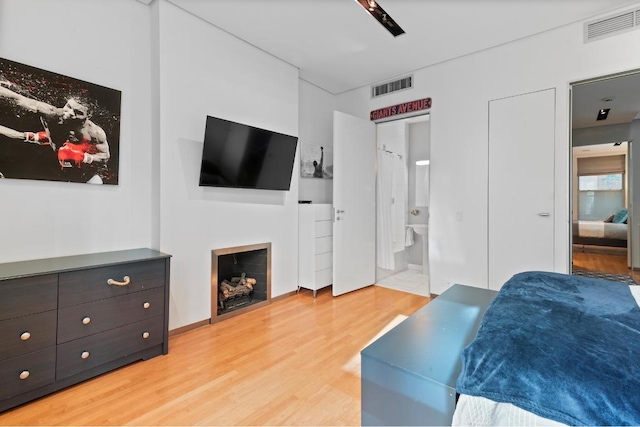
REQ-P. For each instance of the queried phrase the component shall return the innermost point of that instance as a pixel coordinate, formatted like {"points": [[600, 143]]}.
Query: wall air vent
{"points": [[394, 86], [612, 25]]}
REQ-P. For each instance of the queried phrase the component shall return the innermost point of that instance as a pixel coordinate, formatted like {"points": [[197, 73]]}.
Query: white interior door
{"points": [[521, 185], [354, 203]]}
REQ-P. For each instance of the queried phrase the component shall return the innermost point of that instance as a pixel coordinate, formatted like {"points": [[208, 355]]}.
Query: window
{"points": [[600, 182], [600, 195]]}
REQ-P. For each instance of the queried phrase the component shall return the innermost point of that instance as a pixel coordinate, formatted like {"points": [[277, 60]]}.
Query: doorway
{"points": [[605, 117], [402, 204]]}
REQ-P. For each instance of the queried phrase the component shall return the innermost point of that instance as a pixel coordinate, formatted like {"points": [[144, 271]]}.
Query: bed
{"points": [[554, 349], [600, 233]]}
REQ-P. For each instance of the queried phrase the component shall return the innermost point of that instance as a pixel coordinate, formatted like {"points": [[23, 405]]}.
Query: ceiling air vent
{"points": [[394, 86], [611, 25]]}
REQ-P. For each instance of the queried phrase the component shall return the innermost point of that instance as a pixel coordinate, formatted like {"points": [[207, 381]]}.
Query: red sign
{"points": [[404, 108]]}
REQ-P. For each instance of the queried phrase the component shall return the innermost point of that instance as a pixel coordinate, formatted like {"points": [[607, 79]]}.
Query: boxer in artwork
{"points": [[80, 145]]}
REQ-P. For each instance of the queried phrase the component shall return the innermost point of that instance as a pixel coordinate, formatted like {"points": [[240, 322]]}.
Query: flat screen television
{"points": [[242, 156]]}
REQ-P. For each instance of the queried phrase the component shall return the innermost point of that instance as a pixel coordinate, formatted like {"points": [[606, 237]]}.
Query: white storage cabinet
{"points": [[315, 246]]}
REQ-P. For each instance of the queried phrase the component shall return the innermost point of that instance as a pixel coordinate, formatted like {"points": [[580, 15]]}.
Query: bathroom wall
{"points": [[419, 147]]}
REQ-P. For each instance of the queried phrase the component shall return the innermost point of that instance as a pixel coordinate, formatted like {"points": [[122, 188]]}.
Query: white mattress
{"points": [[591, 228], [478, 411], [601, 229]]}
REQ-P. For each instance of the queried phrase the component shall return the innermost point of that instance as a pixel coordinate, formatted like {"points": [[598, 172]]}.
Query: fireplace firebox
{"points": [[240, 280]]}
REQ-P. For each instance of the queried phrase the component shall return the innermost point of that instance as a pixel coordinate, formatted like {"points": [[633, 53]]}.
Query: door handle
{"points": [[340, 211], [544, 214]]}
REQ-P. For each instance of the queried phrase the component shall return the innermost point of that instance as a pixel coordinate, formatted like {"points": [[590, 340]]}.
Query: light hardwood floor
{"points": [[283, 364], [613, 263]]}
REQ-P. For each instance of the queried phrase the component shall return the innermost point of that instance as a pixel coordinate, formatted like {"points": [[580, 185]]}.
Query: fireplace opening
{"points": [[240, 279]]}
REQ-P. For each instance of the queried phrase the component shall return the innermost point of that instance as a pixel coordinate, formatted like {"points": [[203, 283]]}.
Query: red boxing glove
{"points": [[40, 138], [68, 153]]}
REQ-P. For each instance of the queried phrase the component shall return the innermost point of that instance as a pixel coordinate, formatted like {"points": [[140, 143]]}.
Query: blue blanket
{"points": [[564, 347]]}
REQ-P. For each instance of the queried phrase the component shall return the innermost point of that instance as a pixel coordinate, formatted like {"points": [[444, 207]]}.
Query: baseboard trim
{"points": [[283, 296], [205, 322], [187, 328]]}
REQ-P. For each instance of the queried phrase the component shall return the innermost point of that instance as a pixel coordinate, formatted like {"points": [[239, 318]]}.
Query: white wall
{"points": [[105, 43], [461, 90], [601, 134], [199, 70], [419, 148], [206, 71], [316, 127]]}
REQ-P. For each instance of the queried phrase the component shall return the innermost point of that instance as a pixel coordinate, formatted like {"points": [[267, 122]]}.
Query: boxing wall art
{"points": [[57, 128]]}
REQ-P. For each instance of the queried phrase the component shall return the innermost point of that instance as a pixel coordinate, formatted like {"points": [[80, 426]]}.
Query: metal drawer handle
{"points": [[145, 335], [126, 281], [85, 355], [86, 320], [24, 375], [146, 305], [25, 336]]}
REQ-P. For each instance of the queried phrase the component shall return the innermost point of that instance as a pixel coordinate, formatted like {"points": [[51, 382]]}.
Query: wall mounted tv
{"points": [[242, 156]]}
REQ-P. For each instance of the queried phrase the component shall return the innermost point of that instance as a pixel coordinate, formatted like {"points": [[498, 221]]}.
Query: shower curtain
{"points": [[384, 203]]}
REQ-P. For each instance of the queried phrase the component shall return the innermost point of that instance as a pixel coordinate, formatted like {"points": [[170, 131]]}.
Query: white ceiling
{"points": [[624, 93], [338, 46]]}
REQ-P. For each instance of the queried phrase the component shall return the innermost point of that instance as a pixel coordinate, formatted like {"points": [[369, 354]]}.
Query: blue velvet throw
{"points": [[564, 347]]}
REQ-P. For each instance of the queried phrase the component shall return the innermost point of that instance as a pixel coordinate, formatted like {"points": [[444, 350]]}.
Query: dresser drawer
{"points": [[324, 261], [86, 353], [19, 297], [91, 318], [324, 278], [324, 212], [82, 286], [37, 369], [324, 244], [323, 228], [27, 333]]}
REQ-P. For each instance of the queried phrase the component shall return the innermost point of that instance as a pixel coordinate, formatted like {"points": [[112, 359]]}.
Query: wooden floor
{"points": [[613, 263], [283, 364]]}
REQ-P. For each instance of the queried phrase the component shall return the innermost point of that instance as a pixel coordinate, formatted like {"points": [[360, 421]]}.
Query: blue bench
{"points": [[409, 374]]}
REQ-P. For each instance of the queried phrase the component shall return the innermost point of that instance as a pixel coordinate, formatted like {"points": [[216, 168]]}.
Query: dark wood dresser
{"points": [[64, 320]]}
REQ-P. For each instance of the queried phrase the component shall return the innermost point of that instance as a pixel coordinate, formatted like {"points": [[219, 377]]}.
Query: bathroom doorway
{"points": [[402, 204]]}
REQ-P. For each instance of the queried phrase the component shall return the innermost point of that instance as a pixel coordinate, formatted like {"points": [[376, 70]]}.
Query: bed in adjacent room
{"points": [[612, 231], [554, 349], [600, 233]]}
